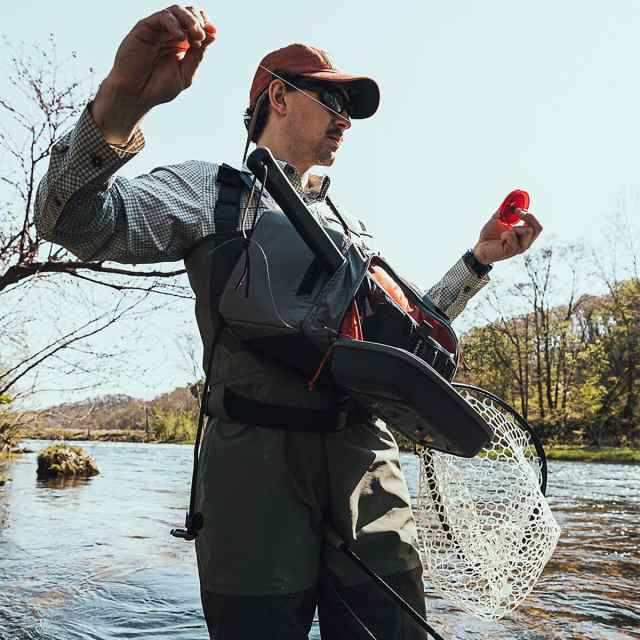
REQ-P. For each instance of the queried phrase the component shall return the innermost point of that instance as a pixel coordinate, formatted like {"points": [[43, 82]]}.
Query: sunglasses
{"points": [[330, 97]]}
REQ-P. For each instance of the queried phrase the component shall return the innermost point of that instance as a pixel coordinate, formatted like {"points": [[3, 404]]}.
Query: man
{"points": [[265, 495]]}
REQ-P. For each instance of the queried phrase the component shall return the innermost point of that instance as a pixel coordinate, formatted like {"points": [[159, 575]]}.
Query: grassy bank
{"points": [[611, 455], [621, 455]]}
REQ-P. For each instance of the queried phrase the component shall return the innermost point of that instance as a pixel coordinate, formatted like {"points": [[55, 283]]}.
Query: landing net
{"points": [[485, 528]]}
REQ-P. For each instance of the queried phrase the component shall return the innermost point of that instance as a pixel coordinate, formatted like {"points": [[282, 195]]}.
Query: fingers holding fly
{"points": [[193, 56], [191, 23], [530, 221], [162, 24], [209, 28]]}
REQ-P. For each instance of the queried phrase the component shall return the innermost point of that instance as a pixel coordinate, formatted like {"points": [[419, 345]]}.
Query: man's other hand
{"points": [[499, 241]]}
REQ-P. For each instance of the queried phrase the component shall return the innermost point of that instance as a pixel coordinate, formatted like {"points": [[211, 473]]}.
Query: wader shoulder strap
{"points": [[226, 215], [346, 222]]}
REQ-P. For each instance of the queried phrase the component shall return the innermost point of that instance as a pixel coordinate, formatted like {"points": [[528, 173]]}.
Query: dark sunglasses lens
{"points": [[334, 100]]}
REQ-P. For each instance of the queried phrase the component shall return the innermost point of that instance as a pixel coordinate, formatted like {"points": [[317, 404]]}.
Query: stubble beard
{"points": [[316, 152], [324, 156]]}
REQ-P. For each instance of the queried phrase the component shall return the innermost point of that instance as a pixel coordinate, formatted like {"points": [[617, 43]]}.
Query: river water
{"points": [[93, 560]]}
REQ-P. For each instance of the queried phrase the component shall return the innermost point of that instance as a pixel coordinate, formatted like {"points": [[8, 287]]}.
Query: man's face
{"points": [[315, 133]]}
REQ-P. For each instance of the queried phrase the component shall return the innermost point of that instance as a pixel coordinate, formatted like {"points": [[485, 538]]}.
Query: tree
{"points": [[528, 344], [43, 104], [10, 423], [618, 266]]}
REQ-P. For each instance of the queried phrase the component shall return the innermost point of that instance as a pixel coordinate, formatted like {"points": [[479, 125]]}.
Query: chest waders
{"points": [[315, 300]]}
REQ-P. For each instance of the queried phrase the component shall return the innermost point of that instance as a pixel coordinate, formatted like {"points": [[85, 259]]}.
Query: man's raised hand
{"points": [[155, 62]]}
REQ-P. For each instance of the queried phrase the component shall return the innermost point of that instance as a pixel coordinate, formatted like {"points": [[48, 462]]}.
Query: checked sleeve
{"points": [[150, 218], [454, 290]]}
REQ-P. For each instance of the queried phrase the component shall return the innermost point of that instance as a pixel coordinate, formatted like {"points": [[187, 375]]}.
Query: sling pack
{"points": [[315, 300]]}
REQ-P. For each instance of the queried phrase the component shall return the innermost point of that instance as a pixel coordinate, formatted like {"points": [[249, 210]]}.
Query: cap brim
{"points": [[363, 92]]}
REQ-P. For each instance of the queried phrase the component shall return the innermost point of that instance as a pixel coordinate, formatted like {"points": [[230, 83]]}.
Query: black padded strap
{"points": [[226, 214], [261, 414], [266, 196]]}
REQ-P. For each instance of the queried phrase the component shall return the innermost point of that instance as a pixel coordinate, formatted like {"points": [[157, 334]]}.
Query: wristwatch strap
{"points": [[476, 267]]}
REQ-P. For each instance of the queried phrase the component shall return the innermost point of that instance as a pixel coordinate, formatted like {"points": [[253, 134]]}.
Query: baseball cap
{"points": [[312, 63]]}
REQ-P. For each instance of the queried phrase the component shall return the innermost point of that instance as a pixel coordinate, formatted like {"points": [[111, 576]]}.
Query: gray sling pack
{"points": [[310, 297]]}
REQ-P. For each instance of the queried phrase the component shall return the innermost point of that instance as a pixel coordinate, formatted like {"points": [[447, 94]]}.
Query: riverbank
{"points": [[4, 456], [97, 435], [611, 455]]}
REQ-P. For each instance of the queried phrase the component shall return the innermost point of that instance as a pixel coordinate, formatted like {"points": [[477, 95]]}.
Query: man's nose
{"points": [[343, 122]]}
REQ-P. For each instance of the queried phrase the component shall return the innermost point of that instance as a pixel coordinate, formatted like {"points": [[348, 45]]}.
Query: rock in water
{"points": [[65, 460]]}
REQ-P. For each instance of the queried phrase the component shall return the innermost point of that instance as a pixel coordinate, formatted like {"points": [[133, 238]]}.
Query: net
{"points": [[485, 528]]}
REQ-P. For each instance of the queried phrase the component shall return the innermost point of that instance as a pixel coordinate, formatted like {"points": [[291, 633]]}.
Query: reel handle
{"points": [[192, 524], [184, 534]]}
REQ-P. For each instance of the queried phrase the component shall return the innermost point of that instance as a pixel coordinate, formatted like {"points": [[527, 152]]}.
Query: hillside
{"points": [[170, 416]]}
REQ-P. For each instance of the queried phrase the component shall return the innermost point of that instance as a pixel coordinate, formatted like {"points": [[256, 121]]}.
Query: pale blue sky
{"points": [[478, 98]]}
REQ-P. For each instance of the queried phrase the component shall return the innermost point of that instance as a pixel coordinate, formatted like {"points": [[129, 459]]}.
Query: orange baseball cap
{"points": [[309, 62]]}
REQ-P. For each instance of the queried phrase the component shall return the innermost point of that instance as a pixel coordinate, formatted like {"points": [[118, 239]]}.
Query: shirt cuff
{"points": [[469, 281], [134, 145]]}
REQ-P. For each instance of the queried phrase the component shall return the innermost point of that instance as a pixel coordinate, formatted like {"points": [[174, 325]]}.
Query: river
{"points": [[93, 560]]}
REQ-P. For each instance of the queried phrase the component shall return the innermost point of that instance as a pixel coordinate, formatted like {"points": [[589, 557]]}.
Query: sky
{"points": [[477, 98]]}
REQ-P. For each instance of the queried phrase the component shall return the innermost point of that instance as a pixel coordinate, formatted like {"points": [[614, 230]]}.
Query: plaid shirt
{"points": [[158, 216]]}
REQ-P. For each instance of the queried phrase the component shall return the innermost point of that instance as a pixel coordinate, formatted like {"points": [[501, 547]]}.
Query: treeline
{"points": [[572, 369]]}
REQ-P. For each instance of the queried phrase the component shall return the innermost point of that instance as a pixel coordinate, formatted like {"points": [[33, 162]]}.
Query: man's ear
{"points": [[277, 93]]}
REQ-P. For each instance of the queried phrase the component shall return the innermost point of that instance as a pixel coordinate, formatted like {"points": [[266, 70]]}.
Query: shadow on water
{"points": [[93, 559], [61, 482]]}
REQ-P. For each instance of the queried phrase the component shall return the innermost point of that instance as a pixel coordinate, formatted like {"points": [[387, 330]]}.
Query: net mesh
{"points": [[485, 528]]}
